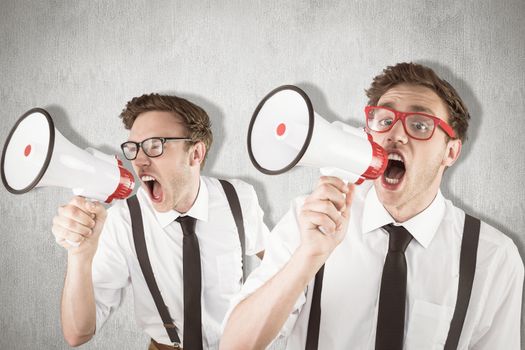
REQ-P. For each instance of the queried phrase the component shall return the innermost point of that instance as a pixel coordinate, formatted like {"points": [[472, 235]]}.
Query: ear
{"points": [[452, 152], [197, 153]]}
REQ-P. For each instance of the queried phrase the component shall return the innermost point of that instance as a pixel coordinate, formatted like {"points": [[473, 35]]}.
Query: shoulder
{"points": [[239, 185], [244, 190], [495, 248], [499, 244]]}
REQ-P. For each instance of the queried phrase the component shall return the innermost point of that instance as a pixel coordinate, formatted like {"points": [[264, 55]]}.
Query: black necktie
{"points": [[391, 315], [191, 271]]}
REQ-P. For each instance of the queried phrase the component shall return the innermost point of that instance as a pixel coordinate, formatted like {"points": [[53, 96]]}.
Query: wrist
{"points": [[78, 257], [308, 262], [312, 252]]}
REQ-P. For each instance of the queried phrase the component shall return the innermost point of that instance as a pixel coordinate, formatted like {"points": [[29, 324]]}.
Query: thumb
{"points": [[348, 201], [98, 213]]}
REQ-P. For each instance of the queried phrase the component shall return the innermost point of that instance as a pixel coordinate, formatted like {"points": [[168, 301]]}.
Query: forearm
{"points": [[78, 311], [256, 321]]}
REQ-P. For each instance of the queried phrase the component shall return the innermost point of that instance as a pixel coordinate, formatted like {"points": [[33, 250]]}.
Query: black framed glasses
{"points": [[152, 147], [420, 126]]}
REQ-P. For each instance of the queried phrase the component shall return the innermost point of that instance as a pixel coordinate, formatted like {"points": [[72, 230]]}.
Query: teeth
{"points": [[395, 156], [391, 181], [147, 178]]}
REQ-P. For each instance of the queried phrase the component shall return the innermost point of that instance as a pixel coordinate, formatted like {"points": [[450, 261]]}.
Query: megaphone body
{"points": [[37, 155], [285, 132]]}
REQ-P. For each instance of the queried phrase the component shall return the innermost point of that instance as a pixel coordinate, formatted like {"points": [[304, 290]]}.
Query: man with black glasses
{"points": [[390, 264], [180, 242]]}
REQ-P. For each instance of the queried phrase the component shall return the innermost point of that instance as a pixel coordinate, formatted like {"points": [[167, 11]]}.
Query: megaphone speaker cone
{"points": [[28, 150], [285, 131], [280, 130]]}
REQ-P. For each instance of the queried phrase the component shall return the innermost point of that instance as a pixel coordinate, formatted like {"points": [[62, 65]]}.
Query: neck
{"points": [[190, 196], [411, 207], [407, 211]]}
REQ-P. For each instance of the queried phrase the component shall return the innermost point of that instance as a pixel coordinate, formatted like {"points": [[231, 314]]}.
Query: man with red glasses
{"points": [[180, 243], [389, 265]]}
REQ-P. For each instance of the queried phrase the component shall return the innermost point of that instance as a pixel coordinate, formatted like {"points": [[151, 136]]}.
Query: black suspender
{"points": [[144, 261], [235, 207], [145, 265], [467, 269]]}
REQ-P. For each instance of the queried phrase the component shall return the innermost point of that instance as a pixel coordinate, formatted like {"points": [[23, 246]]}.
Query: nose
{"points": [[397, 133], [141, 159]]}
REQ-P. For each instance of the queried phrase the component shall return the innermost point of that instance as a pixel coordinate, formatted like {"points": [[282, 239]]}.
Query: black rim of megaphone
{"points": [[306, 141], [48, 156]]}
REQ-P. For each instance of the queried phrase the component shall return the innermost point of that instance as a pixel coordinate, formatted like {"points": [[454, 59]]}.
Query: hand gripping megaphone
{"points": [[37, 155], [285, 132]]}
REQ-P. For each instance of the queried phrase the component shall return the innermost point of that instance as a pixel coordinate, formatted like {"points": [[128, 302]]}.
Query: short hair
{"points": [[417, 74], [194, 118]]}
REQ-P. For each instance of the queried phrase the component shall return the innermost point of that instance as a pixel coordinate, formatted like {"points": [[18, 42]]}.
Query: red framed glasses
{"points": [[419, 126]]}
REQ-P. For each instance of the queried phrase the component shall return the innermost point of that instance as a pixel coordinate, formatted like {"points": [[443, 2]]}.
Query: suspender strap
{"points": [[235, 207], [467, 269], [143, 257], [312, 335], [147, 271]]}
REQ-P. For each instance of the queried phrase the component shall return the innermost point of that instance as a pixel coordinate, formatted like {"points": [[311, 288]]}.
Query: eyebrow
{"points": [[412, 108]]}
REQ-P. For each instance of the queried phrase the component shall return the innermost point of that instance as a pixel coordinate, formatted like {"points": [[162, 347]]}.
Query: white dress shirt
{"points": [[352, 280], [115, 265]]}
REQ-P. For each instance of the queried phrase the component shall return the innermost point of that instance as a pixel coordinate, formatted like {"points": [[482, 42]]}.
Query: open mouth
{"points": [[395, 170], [154, 188]]}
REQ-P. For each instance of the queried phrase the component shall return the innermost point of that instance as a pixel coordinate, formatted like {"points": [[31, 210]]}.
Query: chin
{"points": [[387, 196], [162, 207]]}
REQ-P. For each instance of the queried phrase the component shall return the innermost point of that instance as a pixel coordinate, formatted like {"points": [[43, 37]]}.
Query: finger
{"points": [[95, 208], [72, 226], [64, 243], [348, 201], [62, 233], [327, 191], [73, 212], [99, 213], [79, 202], [334, 181], [325, 207], [318, 220]]}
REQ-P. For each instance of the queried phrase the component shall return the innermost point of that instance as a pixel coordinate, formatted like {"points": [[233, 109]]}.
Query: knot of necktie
{"points": [[188, 224], [399, 238]]}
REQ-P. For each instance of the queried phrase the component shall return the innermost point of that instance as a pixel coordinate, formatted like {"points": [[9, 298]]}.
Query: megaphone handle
{"points": [[343, 175]]}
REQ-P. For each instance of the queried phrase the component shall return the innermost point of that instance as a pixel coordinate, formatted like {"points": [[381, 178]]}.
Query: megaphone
{"points": [[285, 132], [37, 155]]}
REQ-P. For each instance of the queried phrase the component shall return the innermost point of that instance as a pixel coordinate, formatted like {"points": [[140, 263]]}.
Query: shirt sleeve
{"points": [[501, 330], [255, 229], [282, 242], [110, 272]]}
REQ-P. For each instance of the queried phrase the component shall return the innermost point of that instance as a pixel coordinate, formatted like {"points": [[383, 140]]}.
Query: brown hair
{"points": [[416, 74], [194, 118]]}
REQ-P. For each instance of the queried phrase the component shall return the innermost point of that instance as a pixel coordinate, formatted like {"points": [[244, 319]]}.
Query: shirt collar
{"points": [[199, 209], [422, 227]]}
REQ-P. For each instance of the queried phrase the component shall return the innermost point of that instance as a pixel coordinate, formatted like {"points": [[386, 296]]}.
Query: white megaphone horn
{"points": [[37, 155], [285, 132]]}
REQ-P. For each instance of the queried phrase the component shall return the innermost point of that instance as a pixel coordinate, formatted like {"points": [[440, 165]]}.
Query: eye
{"points": [[385, 122], [130, 147], [420, 126]]}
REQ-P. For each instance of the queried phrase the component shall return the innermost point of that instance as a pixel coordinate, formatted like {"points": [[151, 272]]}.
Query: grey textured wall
{"points": [[82, 60]]}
